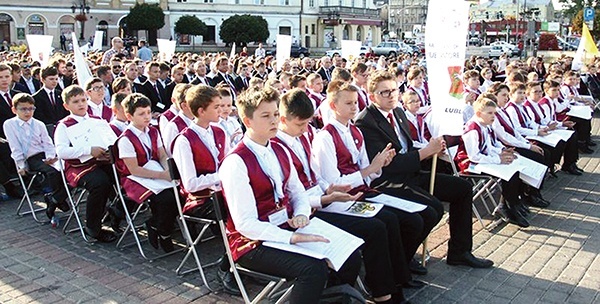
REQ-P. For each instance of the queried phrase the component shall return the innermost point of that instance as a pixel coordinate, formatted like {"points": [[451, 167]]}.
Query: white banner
{"points": [[232, 54], [284, 49], [97, 46], [350, 49], [81, 66], [445, 41], [166, 49], [40, 47]]}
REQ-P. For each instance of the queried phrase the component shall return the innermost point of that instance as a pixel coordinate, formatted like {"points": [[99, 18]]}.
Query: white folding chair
{"points": [[271, 292], [33, 210], [191, 243], [77, 193], [131, 217]]}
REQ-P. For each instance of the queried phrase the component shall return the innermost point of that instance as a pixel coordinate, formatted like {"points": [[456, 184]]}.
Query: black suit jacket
{"points": [[148, 89], [220, 79], [169, 89], [6, 111], [239, 84], [36, 84], [21, 88], [378, 132], [45, 111]]}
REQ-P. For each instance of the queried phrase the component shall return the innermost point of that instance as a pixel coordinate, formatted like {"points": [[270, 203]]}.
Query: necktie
{"points": [[51, 94], [157, 92], [8, 99], [391, 119]]}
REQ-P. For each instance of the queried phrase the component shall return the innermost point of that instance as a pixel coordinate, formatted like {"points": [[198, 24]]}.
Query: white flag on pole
{"points": [[284, 49], [97, 46], [232, 54], [81, 66], [40, 47], [350, 49], [166, 49], [445, 42]]}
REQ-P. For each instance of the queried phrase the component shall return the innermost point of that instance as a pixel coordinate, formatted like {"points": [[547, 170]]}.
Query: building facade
{"points": [[407, 17], [311, 23], [541, 10]]}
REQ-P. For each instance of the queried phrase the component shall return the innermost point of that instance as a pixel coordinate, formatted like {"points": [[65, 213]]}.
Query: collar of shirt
{"points": [[3, 93], [144, 135], [79, 118], [186, 119], [95, 106], [48, 91], [121, 125], [347, 138], [23, 122], [298, 149], [269, 164], [410, 116]]}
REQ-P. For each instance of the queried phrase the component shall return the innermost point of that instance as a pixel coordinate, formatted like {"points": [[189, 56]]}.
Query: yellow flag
{"points": [[588, 41]]}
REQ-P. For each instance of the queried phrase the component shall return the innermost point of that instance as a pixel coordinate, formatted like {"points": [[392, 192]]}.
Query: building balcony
{"points": [[348, 12]]}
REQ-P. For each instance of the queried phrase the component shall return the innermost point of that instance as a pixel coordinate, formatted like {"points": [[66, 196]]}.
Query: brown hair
{"points": [[378, 77], [248, 102], [200, 96]]}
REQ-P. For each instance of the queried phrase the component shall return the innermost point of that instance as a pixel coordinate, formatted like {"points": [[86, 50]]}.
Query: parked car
{"points": [[475, 41], [296, 52], [331, 53], [514, 49], [497, 50], [391, 48]]}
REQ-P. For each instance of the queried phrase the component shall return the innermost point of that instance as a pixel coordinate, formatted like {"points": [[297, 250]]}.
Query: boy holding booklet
{"points": [[277, 206], [383, 255], [141, 148], [479, 145]]}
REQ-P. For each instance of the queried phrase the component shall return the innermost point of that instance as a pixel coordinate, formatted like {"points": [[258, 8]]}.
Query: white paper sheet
{"points": [[91, 133], [583, 112], [397, 203], [531, 172], [341, 243], [153, 184], [359, 209], [503, 171]]}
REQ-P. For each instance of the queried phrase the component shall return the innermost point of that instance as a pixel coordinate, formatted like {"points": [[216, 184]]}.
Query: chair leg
{"points": [[32, 209]]}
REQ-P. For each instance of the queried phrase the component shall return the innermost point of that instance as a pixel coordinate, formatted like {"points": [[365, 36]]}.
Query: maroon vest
{"points": [[362, 100], [462, 158], [75, 169], [180, 123], [536, 117], [520, 114], [263, 194], [507, 125], [344, 158], [134, 190], [298, 163], [168, 114], [106, 113], [204, 163], [116, 130]]}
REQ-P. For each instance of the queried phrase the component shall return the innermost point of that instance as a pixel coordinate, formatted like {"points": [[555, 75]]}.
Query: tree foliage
{"points": [[577, 23], [573, 7], [190, 25], [242, 29], [145, 17]]}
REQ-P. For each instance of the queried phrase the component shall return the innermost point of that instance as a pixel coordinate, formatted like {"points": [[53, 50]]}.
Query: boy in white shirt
{"points": [[227, 121], [181, 121]]}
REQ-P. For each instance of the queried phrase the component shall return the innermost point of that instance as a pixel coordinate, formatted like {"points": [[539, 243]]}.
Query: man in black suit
{"points": [[201, 78], [325, 72], [32, 84], [61, 66], [48, 100], [383, 122], [154, 90], [8, 169], [222, 77], [242, 81], [16, 85]]}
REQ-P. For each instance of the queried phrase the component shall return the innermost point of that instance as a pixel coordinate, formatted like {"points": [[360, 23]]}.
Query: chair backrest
{"points": [[50, 128], [173, 170], [113, 153], [452, 140]]}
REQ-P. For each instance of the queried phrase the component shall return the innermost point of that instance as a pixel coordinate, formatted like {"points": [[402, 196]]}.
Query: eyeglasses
{"points": [[29, 109], [388, 93], [116, 66], [97, 89]]}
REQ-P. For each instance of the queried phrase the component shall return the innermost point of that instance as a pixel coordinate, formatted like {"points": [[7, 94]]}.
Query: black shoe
{"points": [[590, 143], [523, 210], [50, 205], [416, 267], [104, 236], [552, 172], [229, 284], [166, 243], [152, 235], [468, 259], [584, 149], [64, 206], [578, 169], [115, 219], [572, 170], [415, 284], [13, 191], [537, 201], [515, 217]]}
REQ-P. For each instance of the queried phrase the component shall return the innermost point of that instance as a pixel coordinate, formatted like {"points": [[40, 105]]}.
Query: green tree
{"points": [[147, 17], [573, 7], [190, 25], [242, 29], [577, 23]]}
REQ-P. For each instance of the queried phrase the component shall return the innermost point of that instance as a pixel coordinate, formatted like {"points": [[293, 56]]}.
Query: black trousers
{"points": [[310, 274], [512, 190], [164, 211], [454, 190], [383, 254], [8, 168], [98, 183], [53, 178], [582, 127]]}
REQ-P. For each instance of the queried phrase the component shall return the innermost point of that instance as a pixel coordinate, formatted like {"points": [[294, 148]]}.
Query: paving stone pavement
{"points": [[553, 261]]}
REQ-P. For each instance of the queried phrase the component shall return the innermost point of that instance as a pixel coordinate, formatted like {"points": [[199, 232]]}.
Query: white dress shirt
{"points": [[121, 125], [508, 139], [27, 138], [170, 131], [96, 108], [162, 120], [298, 150], [182, 154], [232, 126], [471, 140], [412, 119], [242, 206], [126, 149], [530, 128], [325, 158]]}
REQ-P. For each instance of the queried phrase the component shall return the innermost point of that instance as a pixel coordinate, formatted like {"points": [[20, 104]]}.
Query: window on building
{"points": [[352, 3], [312, 29], [311, 3], [306, 29], [208, 1], [340, 2], [326, 3], [364, 3]]}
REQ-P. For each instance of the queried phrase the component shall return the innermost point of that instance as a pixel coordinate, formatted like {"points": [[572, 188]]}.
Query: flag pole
{"points": [[431, 187]]}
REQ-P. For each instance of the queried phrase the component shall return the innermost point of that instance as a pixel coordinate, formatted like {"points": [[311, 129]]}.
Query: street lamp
{"points": [[84, 9]]}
